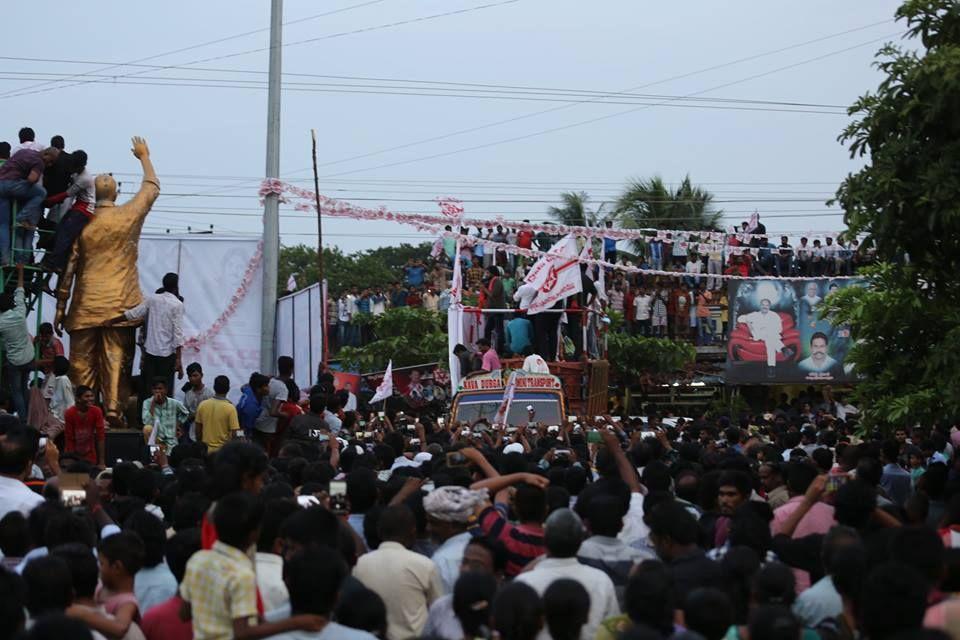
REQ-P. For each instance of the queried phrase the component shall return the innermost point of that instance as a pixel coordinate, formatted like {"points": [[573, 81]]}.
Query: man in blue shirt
{"points": [[398, 295], [609, 245], [414, 272], [519, 335]]}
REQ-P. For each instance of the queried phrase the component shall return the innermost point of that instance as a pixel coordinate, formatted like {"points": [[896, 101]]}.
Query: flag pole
{"points": [[323, 301]]}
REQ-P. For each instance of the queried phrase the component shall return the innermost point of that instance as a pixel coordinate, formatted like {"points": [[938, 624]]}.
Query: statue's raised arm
{"points": [[101, 282]]}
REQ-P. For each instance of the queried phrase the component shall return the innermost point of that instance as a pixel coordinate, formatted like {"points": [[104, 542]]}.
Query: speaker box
{"points": [[125, 445]]}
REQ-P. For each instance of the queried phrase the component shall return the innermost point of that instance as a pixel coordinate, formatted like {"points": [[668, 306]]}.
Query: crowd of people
{"points": [[312, 515], [689, 306]]}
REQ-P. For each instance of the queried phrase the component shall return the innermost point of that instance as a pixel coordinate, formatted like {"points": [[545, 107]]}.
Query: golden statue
{"points": [[102, 272]]}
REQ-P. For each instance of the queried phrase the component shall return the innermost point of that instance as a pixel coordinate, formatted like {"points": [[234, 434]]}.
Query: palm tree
{"points": [[574, 212], [653, 204]]}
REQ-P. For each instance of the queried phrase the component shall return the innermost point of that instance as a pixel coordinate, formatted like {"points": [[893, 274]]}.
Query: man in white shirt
{"points": [[449, 510], [563, 534], [16, 461], [163, 311], [406, 581], [28, 140], [524, 295], [343, 321], [351, 403], [766, 327], [277, 394], [643, 304]]}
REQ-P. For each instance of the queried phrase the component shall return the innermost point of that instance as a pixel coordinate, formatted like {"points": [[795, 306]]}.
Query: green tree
{"points": [[637, 357], [575, 211], [407, 335], [906, 199], [370, 268], [652, 203]]}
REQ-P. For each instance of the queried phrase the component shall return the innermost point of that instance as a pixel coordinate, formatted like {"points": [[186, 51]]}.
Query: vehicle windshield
{"points": [[485, 405]]}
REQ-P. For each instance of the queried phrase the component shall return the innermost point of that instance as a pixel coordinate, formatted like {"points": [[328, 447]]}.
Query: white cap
{"points": [[422, 457], [513, 447]]}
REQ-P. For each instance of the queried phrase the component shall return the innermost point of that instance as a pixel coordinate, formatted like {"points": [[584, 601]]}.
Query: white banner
{"points": [[385, 390], [300, 333], [212, 270]]}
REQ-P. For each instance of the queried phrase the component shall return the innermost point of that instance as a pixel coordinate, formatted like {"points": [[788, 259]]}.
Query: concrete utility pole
{"points": [[271, 207]]}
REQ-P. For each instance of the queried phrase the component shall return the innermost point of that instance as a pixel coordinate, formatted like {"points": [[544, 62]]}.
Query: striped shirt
{"points": [[523, 542]]}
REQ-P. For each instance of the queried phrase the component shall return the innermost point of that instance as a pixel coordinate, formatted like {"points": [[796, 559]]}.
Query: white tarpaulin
{"points": [[300, 332], [213, 271]]}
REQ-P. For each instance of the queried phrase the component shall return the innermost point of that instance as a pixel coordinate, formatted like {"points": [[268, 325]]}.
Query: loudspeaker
{"points": [[126, 445]]}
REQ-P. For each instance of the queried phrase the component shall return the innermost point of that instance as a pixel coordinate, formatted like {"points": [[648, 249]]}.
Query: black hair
{"points": [[12, 602], [221, 385], [178, 550], [530, 503], [62, 526], [83, 565], [26, 134], [921, 548], [258, 380], [799, 477], [836, 543], [517, 612], [894, 599], [566, 605], [237, 517], [235, 462], [773, 622], [361, 490], [152, 533], [274, 513], [49, 585], [473, 596], [285, 366], [671, 520], [194, 367], [61, 366], [649, 596], [854, 503], [18, 449], [823, 458], [188, 510], [361, 608], [14, 535], [313, 577], [775, 584], [57, 626], [4, 150], [707, 611], [605, 516], [82, 389], [736, 479], [126, 548], [483, 342], [396, 523], [314, 526], [496, 549]]}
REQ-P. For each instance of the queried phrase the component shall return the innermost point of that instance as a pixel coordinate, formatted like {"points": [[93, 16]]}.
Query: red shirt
{"points": [[523, 542], [83, 431], [162, 622], [525, 239]]}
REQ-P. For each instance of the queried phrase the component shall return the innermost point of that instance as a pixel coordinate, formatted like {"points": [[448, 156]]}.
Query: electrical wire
{"points": [[527, 136], [301, 42]]}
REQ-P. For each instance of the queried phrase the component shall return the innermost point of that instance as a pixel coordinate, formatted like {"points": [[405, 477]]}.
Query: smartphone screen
{"points": [[338, 487]]}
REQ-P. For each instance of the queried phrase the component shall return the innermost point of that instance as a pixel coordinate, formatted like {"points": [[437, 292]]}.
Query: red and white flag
{"points": [[558, 253], [385, 390], [559, 279], [504, 410]]}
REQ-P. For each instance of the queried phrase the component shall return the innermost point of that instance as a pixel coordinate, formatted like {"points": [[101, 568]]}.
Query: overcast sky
{"points": [[210, 139]]}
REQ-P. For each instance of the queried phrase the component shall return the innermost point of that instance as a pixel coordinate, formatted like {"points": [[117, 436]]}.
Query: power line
{"points": [[599, 118], [306, 41], [182, 49], [461, 87], [526, 97]]}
